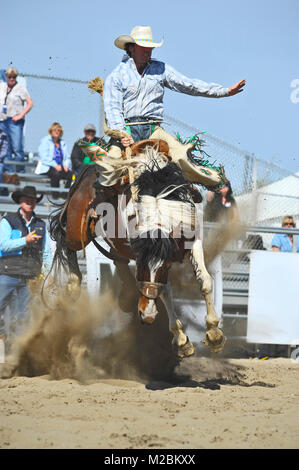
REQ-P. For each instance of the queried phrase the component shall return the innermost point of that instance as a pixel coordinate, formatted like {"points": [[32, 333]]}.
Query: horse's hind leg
{"points": [[75, 276], [180, 340], [214, 336]]}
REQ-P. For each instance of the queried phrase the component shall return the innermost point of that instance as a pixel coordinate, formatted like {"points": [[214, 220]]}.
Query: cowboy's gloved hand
{"points": [[237, 88], [127, 141]]}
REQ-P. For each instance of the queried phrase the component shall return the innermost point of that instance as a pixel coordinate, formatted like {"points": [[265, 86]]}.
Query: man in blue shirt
{"points": [[134, 92], [24, 253]]}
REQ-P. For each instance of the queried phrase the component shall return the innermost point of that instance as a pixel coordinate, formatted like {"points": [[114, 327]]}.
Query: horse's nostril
{"points": [[145, 320]]}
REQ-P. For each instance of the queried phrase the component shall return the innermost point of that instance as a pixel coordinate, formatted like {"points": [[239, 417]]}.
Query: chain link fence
{"points": [[264, 192], [63, 100]]}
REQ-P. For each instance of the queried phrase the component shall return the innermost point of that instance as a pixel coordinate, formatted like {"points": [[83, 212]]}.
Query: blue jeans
{"points": [[14, 294], [14, 132], [139, 131], [3, 191]]}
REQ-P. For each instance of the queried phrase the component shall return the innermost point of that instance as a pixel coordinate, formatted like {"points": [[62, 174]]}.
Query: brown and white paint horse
{"points": [[160, 225]]}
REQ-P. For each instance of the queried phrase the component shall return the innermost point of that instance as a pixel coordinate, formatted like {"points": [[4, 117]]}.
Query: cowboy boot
{"points": [[179, 152]]}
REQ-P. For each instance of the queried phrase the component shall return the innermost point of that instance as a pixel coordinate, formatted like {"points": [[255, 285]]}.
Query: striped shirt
{"points": [[128, 94]]}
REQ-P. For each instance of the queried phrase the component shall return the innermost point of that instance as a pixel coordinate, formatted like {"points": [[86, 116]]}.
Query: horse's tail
{"points": [[57, 221], [58, 234]]}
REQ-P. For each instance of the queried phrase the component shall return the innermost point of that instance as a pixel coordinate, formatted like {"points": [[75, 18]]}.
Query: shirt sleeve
{"points": [[23, 93], [7, 244], [45, 152], [113, 103], [46, 253], [276, 241], [175, 81]]}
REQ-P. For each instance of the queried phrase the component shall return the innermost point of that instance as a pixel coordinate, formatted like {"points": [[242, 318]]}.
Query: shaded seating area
{"points": [[41, 182]]}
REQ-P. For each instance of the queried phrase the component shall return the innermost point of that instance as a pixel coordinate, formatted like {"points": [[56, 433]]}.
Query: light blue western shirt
{"points": [[282, 241], [12, 243], [128, 94]]}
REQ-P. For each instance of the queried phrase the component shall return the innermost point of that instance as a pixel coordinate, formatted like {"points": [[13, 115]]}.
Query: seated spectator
{"points": [[78, 158], [15, 103], [3, 154], [283, 241], [54, 158], [252, 242], [221, 205]]}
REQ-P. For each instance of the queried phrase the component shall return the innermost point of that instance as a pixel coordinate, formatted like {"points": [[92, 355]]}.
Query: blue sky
{"points": [[221, 41]]}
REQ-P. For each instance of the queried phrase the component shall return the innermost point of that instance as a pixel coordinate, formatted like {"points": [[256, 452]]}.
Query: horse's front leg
{"points": [[75, 276], [214, 336], [180, 340]]}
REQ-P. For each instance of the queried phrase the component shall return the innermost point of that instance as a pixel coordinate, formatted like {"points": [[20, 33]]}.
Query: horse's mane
{"points": [[163, 192]]}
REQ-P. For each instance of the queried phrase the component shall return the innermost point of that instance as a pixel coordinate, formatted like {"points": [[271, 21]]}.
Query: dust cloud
{"points": [[87, 339], [218, 238]]}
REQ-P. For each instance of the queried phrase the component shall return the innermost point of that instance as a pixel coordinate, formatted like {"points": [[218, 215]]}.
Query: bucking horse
{"points": [[151, 219]]}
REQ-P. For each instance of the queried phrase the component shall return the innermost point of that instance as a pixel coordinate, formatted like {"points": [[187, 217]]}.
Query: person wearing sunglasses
{"points": [[283, 241], [15, 103]]}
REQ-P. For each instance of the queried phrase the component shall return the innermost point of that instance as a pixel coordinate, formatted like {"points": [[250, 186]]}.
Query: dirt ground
{"points": [[62, 388], [249, 404]]}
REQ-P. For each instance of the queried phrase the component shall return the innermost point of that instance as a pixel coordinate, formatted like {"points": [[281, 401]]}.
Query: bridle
{"points": [[150, 290]]}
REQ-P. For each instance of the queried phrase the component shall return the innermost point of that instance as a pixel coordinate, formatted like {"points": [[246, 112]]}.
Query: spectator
{"points": [[3, 155], [283, 241], [54, 158], [221, 205], [78, 158], [252, 242], [13, 97], [24, 253]]}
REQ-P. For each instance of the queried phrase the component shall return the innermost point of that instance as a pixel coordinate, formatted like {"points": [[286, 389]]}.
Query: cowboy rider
{"points": [[134, 91]]}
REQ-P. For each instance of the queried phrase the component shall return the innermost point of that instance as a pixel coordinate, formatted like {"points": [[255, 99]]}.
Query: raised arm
{"points": [[176, 81]]}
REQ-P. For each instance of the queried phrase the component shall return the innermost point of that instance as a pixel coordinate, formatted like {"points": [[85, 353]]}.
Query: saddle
{"points": [[159, 144]]}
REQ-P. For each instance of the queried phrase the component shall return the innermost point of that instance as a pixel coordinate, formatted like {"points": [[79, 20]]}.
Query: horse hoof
{"points": [[215, 339], [73, 288], [185, 350]]}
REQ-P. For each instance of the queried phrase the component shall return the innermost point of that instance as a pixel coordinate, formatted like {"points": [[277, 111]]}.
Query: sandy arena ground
{"points": [[62, 388], [250, 404]]}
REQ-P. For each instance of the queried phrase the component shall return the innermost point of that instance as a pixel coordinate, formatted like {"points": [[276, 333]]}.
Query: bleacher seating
{"points": [[41, 182]]}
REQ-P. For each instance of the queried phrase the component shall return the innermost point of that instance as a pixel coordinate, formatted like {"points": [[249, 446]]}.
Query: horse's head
{"points": [[154, 254]]}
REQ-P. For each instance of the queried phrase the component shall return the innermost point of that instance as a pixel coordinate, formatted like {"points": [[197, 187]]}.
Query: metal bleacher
{"points": [[41, 183]]}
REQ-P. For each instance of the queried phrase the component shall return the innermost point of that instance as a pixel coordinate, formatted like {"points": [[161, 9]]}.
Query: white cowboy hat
{"points": [[140, 35]]}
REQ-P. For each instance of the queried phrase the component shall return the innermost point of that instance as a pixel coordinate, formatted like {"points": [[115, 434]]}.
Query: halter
{"points": [[150, 290]]}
